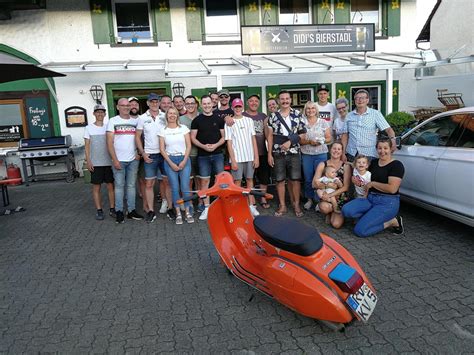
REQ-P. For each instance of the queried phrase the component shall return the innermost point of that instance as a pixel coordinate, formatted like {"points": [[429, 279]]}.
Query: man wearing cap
{"points": [[207, 133], [224, 109], [149, 125], [121, 145], [98, 161], [242, 147], [285, 129], [327, 111], [362, 126]]}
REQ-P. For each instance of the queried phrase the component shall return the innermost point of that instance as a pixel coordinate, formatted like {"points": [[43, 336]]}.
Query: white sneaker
{"points": [[164, 207], [253, 210], [307, 206], [203, 215]]}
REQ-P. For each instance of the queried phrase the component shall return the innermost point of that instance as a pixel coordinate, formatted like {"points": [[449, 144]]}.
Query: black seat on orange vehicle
{"points": [[288, 234]]}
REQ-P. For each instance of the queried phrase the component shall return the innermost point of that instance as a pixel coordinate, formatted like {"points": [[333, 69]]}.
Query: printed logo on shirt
{"points": [[125, 129], [325, 115]]}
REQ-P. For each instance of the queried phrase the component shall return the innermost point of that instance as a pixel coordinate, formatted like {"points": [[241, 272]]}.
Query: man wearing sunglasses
{"points": [[224, 109]]}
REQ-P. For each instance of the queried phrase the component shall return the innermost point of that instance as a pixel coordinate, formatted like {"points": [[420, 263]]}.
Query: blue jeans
{"points": [[128, 175], [179, 180], [310, 163], [373, 212], [210, 163]]}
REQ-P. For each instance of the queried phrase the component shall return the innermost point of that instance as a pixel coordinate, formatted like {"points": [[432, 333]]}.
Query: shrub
{"points": [[400, 121]]}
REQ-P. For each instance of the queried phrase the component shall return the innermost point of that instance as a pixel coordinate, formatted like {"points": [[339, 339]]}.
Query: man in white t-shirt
{"points": [[242, 147], [121, 145], [327, 111], [98, 161], [149, 125]]}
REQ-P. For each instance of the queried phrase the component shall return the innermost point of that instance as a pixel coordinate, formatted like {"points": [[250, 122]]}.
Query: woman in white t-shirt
{"points": [[175, 147]]}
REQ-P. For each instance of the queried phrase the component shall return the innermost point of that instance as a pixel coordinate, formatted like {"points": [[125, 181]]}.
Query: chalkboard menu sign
{"points": [[37, 116]]}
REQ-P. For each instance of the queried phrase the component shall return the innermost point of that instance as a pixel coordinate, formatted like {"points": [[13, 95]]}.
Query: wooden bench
{"points": [[4, 183]]}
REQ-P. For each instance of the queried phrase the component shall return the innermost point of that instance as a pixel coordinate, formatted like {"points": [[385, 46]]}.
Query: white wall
{"points": [[451, 28], [63, 32]]}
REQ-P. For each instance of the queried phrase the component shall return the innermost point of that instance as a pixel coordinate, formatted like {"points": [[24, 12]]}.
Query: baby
{"points": [[330, 178], [361, 176]]}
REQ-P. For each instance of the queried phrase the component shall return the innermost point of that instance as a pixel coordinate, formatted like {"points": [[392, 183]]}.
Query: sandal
{"points": [[298, 213], [281, 211]]}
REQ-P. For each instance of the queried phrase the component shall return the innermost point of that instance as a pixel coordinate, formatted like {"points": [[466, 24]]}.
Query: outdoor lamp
{"points": [[97, 92], [178, 89]]}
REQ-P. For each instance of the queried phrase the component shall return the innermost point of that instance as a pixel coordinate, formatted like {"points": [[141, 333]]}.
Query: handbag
{"points": [[293, 137]]}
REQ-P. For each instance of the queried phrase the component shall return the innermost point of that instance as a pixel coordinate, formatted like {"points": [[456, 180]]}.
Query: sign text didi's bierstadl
{"points": [[292, 39]]}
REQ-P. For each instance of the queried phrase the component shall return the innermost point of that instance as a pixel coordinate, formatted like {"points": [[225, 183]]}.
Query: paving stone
{"points": [[71, 284]]}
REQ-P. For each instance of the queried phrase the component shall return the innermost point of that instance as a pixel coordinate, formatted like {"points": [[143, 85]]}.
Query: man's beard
{"points": [[134, 112]]}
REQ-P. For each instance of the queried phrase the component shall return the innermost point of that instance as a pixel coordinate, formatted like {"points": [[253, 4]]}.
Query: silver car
{"points": [[438, 155]]}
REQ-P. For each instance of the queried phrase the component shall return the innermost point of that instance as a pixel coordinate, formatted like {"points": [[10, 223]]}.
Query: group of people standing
{"points": [[328, 149]]}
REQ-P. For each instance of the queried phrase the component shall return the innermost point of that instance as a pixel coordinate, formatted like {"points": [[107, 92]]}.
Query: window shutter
{"points": [[393, 17], [101, 17], [269, 12], [249, 12], [161, 20], [342, 11], [194, 15], [343, 90], [322, 10], [395, 84], [272, 92], [198, 93]]}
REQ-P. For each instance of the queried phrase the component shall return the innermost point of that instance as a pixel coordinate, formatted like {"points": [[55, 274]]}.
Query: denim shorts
{"points": [[287, 166], [209, 164], [155, 169]]}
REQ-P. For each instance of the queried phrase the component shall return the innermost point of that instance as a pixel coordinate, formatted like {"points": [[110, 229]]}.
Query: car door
{"points": [[420, 153], [455, 172]]}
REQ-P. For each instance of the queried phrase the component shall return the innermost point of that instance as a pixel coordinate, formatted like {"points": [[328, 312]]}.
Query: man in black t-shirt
{"points": [[224, 108], [207, 134]]}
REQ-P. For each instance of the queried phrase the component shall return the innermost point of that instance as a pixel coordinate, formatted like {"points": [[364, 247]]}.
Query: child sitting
{"points": [[361, 176], [330, 178]]}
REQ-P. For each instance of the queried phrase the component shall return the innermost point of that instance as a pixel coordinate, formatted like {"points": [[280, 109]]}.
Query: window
{"points": [[374, 93], [221, 20], [299, 97], [294, 12], [13, 125], [466, 128], [435, 133], [132, 21], [366, 11]]}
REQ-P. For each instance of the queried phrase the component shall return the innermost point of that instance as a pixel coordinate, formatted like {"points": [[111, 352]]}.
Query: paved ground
{"points": [[71, 284]]}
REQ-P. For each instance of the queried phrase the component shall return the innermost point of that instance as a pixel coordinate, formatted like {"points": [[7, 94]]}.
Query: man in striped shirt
{"points": [[362, 125]]}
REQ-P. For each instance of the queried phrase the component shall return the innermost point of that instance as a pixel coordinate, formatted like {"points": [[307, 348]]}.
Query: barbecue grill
{"points": [[46, 152]]}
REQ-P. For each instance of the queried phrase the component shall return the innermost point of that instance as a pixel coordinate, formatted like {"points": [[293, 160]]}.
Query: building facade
{"points": [[130, 47]]}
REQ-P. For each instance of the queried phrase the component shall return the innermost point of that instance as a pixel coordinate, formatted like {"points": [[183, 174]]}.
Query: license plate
{"points": [[363, 302]]}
